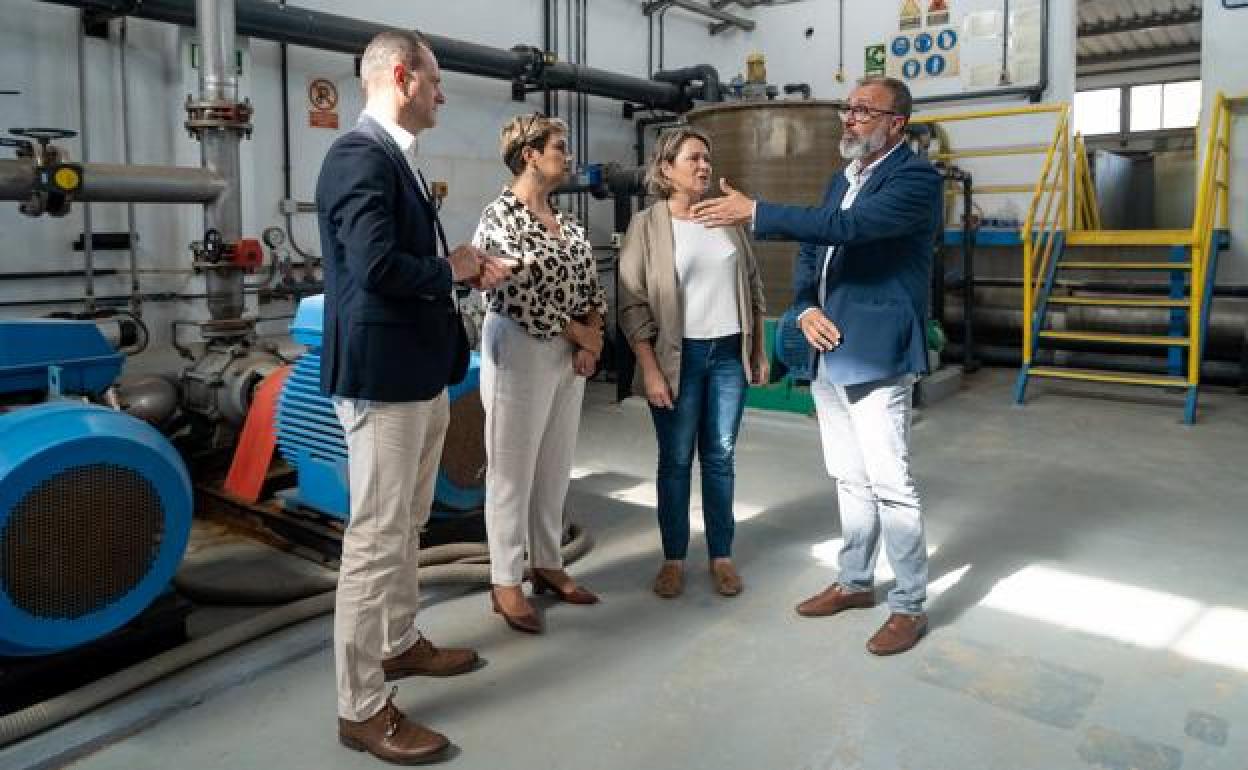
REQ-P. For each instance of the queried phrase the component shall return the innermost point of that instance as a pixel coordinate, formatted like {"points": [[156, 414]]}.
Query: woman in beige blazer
{"points": [[691, 306]]}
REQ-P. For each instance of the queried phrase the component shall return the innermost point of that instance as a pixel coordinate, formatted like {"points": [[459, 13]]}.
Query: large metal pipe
{"points": [[113, 183], [224, 214], [297, 26]]}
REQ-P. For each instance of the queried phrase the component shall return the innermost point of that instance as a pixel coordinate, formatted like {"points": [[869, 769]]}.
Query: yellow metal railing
{"points": [[1052, 188], [1039, 234], [1211, 213], [1087, 210]]}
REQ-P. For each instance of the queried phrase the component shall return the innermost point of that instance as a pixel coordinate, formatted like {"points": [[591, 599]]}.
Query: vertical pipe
{"points": [[968, 277], [218, 82], [1005, 44], [135, 292], [88, 236]]}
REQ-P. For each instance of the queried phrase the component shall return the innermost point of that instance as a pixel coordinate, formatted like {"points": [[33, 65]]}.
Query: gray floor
{"points": [[1088, 608]]}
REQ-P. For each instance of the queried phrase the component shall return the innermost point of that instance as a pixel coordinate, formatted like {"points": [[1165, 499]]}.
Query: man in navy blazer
{"points": [[393, 341], [861, 287]]}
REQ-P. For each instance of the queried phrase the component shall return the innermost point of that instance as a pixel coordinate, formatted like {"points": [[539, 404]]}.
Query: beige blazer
{"points": [[649, 302]]}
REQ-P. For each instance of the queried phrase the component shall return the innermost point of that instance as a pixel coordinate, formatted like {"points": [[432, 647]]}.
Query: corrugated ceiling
{"points": [[1137, 30]]}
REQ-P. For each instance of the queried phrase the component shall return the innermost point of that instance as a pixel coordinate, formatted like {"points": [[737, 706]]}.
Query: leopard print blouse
{"points": [[554, 281]]}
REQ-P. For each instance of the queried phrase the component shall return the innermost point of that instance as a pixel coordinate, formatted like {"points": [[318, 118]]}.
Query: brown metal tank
{"points": [[779, 151]]}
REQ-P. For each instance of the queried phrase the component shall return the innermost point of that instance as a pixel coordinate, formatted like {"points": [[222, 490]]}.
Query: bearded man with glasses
{"points": [[861, 287]]}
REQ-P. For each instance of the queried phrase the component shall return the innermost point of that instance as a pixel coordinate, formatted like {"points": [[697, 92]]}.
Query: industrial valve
{"points": [[55, 179]]}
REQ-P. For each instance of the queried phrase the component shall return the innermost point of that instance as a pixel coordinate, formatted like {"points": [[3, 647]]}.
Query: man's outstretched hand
{"points": [[732, 208]]}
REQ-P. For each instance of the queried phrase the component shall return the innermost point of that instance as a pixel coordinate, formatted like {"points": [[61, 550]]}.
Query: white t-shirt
{"points": [[706, 270]]}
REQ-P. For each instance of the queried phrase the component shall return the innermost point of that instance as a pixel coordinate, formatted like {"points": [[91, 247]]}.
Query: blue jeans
{"points": [[708, 412]]}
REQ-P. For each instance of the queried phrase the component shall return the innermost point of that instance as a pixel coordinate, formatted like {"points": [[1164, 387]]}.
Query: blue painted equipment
{"points": [[95, 505], [310, 437], [72, 353]]}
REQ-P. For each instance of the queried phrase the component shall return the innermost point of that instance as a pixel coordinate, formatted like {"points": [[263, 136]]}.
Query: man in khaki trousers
{"points": [[393, 341]]}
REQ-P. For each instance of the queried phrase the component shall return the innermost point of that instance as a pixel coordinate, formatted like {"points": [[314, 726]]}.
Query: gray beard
{"points": [[856, 149]]}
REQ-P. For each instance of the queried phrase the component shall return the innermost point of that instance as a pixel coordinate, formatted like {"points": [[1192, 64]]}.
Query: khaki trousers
{"points": [[393, 453], [532, 400]]}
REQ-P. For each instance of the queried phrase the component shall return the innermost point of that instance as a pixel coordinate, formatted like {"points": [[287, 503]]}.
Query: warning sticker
{"points": [[911, 15], [323, 103], [937, 13]]}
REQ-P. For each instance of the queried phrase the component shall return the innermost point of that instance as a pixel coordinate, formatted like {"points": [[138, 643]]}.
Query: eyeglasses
{"points": [[861, 112]]}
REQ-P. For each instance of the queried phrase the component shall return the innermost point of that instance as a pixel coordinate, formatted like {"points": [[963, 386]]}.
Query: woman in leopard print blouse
{"points": [[542, 336]]}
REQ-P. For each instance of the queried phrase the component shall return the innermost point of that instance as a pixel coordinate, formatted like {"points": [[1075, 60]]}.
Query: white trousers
{"points": [[532, 400], [393, 453], [865, 432]]}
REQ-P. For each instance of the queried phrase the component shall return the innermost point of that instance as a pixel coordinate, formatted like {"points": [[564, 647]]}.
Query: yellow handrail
{"points": [[1049, 193], [1212, 192]]}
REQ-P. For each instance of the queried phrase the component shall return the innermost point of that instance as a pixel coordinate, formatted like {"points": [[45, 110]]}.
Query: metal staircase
{"points": [[1059, 259]]}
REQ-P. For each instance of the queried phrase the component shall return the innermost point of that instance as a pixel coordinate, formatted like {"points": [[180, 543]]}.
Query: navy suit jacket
{"points": [[392, 332], [879, 277]]}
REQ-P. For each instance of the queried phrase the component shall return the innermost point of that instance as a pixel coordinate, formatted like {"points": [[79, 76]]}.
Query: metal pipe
{"points": [[219, 83], [705, 74], [88, 248], [328, 32], [114, 183], [704, 10], [126, 158]]}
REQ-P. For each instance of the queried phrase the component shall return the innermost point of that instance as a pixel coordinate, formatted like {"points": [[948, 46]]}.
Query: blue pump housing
{"points": [[71, 353], [310, 438], [95, 512]]}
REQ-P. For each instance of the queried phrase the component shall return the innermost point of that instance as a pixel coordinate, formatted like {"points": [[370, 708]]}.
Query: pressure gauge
{"points": [[274, 237]]}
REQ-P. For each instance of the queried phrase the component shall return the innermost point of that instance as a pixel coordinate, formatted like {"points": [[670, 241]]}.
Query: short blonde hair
{"points": [[532, 130], [665, 151]]}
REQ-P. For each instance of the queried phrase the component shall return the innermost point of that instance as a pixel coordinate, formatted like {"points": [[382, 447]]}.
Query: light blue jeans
{"points": [[865, 431]]}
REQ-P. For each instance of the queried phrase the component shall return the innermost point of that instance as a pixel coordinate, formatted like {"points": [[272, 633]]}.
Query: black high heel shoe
{"points": [[529, 622], [577, 595]]}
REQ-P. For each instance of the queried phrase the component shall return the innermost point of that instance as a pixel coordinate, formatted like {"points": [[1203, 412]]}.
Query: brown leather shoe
{"points": [[528, 622], [423, 659], [834, 599], [390, 736], [727, 581], [574, 595], [670, 581], [898, 634]]}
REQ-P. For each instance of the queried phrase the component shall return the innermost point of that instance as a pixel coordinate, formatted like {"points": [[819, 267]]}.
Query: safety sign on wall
{"points": [[937, 13], [931, 53], [910, 16], [875, 60], [322, 103]]}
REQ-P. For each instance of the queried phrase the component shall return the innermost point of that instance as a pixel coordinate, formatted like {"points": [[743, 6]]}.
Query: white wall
{"points": [[1223, 32]]}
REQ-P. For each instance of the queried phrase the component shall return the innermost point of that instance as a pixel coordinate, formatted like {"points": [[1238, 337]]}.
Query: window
{"points": [[1165, 105], [1098, 112]]}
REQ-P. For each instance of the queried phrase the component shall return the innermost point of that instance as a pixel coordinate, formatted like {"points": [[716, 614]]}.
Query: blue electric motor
{"points": [[310, 438], [95, 505]]}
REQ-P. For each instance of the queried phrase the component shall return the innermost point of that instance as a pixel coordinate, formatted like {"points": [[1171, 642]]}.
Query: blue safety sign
{"points": [[911, 69], [901, 45], [947, 39], [935, 65], [923, 42]]}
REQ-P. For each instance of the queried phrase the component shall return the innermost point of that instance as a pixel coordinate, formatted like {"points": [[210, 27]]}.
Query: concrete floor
{"points": [[1088, 610]]}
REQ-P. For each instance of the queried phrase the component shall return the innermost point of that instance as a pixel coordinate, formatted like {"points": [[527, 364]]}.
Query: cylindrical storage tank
{"points": [[781, 152], [95, 511]]}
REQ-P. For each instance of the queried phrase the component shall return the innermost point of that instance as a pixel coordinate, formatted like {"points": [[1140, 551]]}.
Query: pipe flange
{"points": [[218, 115]]}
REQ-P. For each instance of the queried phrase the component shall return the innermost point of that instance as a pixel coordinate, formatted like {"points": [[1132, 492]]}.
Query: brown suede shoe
{"points": [[834, 599], [390, 736], [727, 581], [898, 634], [423, 659], [670, 581]]}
